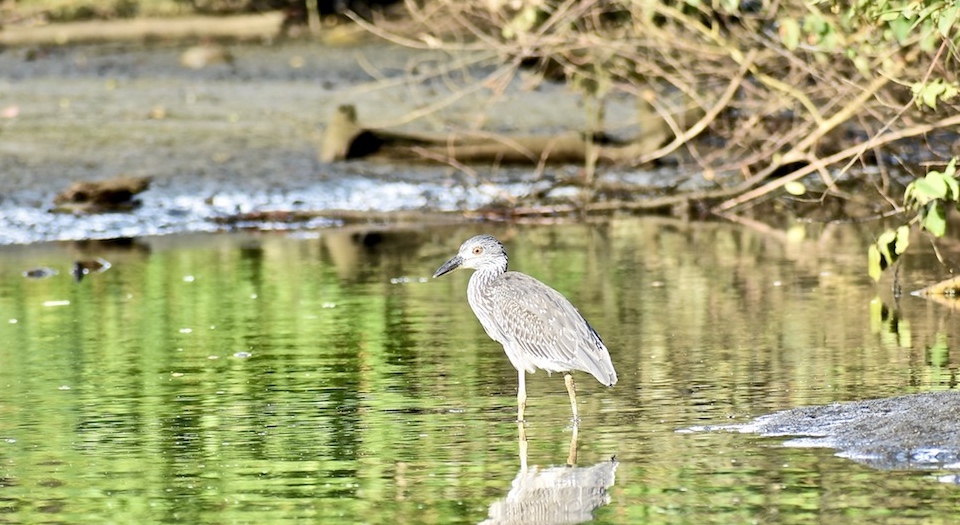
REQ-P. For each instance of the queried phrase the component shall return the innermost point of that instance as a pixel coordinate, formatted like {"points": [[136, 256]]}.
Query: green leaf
{"points": [[930, 93], [903, 240], [930, 39], [831, 39], [815, 24], [954, 187], [932, 186], [939, 182], [790, 33], [730, 6], [917, 90], [937, 90], [951, 169], [863, 65], [873, 263], [795, 188], [947, 18], [887, 237], [884, 242], [935, 220], [901, 27], [950, 90], [889, 16], [909, 196], [925, 13]]}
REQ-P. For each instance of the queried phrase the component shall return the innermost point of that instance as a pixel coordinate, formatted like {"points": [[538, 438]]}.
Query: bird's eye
{"points": [[477, 250]]}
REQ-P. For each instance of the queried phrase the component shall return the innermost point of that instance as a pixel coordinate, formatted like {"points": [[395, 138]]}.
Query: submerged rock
{"points": [[919, 431]]}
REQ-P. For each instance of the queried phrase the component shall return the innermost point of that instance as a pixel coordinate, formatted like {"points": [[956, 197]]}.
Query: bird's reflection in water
{"points": [[554, 495]]}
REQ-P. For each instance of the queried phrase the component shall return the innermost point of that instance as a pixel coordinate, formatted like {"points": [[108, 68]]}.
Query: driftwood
{"points": [[345, 138], [110, 195], [249, 27], [945, 292]]}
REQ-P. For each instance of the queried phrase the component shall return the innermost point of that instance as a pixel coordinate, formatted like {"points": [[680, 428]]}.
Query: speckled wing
{"points": [[544, 330]]}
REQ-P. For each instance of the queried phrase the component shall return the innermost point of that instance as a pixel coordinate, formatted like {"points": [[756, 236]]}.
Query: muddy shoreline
{"points": [[240, 137]]}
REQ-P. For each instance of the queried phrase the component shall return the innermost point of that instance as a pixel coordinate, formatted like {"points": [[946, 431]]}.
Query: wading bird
{"points": [[537, 325]]}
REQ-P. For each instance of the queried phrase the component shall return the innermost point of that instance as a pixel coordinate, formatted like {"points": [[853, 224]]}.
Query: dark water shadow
{"points": [[554, 495]]}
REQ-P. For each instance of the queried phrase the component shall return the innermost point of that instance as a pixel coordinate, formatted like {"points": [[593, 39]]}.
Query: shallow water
{"points": [[323, 377]]}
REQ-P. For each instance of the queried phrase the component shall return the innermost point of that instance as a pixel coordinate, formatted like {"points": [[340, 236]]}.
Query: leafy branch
{"points": [[928, 199]]}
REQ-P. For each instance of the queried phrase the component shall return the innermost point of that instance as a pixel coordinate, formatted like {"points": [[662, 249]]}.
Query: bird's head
{"points": [[481, 252]]}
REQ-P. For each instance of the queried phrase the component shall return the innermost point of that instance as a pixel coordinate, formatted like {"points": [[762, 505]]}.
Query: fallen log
{"points": [[344, 138]]}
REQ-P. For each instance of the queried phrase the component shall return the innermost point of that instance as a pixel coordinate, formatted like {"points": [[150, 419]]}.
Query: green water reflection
{"points": [[324, 379]]}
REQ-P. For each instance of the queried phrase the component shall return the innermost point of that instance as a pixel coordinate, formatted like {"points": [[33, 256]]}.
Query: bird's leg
{"points": [[572, 454], [522, 442], [572, 390], [521, 394]]}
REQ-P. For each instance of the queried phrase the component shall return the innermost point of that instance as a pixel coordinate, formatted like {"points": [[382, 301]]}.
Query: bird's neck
{"points": [[484, 276]]}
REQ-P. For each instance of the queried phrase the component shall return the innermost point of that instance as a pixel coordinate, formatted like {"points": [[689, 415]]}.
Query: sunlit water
{"points": [[324, 378]]}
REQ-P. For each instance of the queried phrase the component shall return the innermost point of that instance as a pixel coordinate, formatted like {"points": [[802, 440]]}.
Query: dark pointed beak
{"points": [[449, 266]]}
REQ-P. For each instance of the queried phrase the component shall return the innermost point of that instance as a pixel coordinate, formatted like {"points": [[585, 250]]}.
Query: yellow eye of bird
{"points": [[477, 250]]}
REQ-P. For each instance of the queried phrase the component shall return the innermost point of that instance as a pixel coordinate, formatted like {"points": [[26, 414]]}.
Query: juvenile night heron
{"points": [[537, 326]]}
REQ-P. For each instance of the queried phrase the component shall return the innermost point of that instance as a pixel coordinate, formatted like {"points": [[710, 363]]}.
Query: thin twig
{"points": [[700, 125], [847, 153]]}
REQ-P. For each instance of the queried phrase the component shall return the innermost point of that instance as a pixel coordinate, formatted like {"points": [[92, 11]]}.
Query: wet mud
{"points": [[241, 137]]}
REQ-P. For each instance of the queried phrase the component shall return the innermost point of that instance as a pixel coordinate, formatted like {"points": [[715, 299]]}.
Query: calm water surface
{"points": [[323, 378]]}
